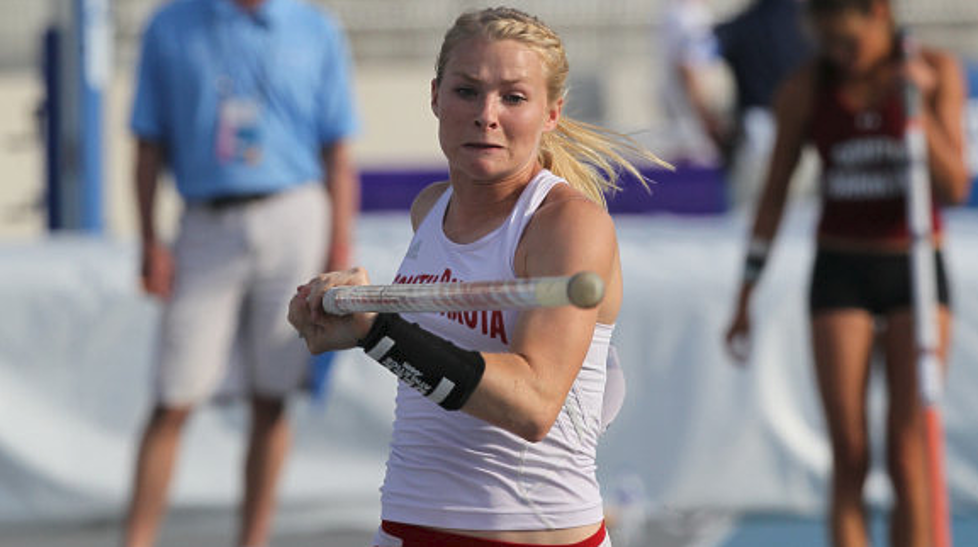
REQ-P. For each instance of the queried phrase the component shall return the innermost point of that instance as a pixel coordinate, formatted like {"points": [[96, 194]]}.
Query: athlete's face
{"points": [[492, 109], [855, 41]]}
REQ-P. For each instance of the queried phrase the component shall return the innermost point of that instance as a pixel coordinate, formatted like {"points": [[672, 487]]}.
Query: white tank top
{"points": [[450, 470]]}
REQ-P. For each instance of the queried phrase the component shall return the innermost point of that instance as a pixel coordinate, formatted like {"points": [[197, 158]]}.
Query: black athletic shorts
{"points": [[878, 283]]}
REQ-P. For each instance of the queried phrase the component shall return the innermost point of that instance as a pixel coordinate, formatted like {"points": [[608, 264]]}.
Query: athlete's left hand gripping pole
{"points": [[924, 278]]}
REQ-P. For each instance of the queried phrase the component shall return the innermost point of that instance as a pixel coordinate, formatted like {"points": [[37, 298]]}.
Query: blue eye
{"points": [[514, 98]]}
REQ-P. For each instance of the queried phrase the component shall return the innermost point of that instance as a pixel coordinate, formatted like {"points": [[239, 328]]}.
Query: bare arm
{"points": [[523, 390], [157, 263], [792, 106], [943, 121], [149, 163], [424, 201], [343, 185], [712, 123]]}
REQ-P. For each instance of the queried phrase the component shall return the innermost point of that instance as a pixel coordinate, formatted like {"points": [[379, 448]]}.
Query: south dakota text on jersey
{"points": [[490, 322]]}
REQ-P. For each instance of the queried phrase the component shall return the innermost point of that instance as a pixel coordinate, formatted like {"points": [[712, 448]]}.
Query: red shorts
{"points": [[416, 536]]}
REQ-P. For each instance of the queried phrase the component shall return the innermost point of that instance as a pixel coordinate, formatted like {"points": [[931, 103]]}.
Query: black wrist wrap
{"points": [[753, 267], [440, 370]]}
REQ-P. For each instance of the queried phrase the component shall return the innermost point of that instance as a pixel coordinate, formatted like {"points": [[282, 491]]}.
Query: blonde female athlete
{"points": [[507, 455], [848, 104]]}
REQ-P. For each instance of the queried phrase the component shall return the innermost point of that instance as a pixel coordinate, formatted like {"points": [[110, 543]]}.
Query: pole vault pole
{"points": [[923, 270]]}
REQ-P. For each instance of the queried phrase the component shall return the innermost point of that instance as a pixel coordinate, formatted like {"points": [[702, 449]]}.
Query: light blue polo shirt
{"points": [[288, 57]]}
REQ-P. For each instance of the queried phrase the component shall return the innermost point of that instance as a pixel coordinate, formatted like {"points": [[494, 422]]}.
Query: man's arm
{"points": [[343, 186], [712, 124], [157, 263]]}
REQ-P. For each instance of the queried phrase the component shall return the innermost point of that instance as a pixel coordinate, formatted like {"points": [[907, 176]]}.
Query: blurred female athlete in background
{"points": [[848, 103]]}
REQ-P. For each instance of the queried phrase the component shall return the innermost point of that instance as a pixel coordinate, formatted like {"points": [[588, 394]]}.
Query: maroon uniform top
{"points": [[864, 166]]}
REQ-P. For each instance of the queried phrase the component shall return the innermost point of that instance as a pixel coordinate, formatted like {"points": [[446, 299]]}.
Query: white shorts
{"points": [[236, 270]]}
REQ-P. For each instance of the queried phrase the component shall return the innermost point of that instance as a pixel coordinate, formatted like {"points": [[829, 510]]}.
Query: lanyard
{"points": [[235, 63]]}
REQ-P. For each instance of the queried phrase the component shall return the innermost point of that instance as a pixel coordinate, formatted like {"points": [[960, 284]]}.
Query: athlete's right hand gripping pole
{"points": [[924, 278]]}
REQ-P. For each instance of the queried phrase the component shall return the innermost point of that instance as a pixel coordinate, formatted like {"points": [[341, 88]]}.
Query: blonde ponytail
{"points": [[591, 158]]}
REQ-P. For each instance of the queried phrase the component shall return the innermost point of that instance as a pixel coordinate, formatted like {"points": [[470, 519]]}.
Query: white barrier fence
{"points": [[695, 432]]}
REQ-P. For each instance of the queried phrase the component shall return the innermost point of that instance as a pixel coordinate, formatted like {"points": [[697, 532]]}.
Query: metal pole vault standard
{"points": [[924, 277], [93, 32], [77, 65]]}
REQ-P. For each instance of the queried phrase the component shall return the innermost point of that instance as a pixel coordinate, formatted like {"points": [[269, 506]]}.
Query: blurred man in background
{"points": [[248, 104], [698, 132]]}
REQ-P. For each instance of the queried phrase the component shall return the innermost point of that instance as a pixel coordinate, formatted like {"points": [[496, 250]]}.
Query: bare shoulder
{"points": [[568, 234], [947, 65], [425, 200], [799, 86], [794, 100], [939, 58], [567, 218], [567, 203]]}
